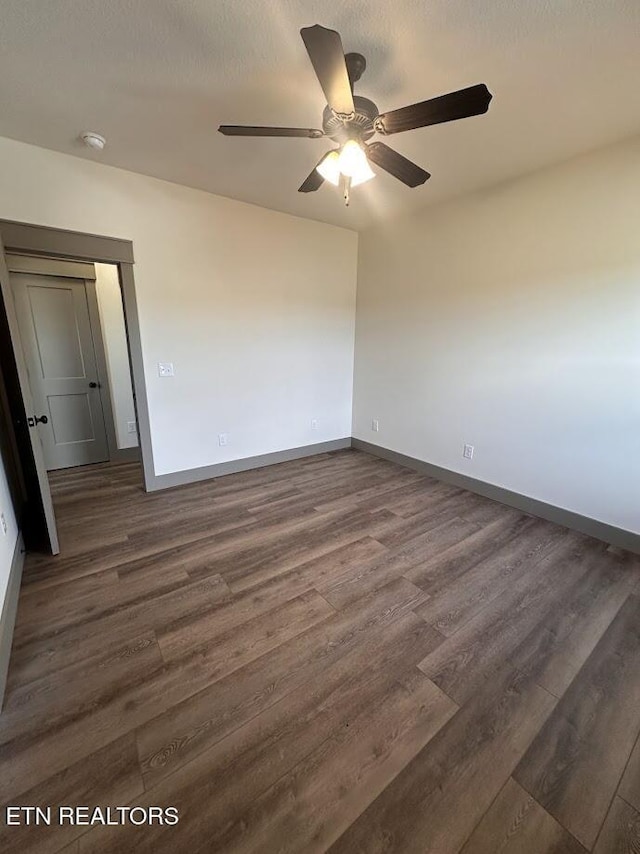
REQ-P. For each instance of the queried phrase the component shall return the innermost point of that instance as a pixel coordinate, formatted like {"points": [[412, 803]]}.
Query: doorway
{"points": [[57, 349], [71, 323]]}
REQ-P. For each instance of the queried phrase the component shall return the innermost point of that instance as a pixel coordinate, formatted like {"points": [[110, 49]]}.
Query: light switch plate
{"points": [[165, 369]]}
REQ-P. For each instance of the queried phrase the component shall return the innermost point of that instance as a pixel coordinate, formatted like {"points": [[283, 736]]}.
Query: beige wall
{"points": [[254, 308], [510, 320], [114, 337]]}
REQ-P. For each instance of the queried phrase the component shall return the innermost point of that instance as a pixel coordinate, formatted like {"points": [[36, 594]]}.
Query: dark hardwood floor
{"points": [[333, 654]]}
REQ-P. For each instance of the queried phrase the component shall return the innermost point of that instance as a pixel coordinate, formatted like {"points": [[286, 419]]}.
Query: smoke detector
{"points": [[93, 140]]}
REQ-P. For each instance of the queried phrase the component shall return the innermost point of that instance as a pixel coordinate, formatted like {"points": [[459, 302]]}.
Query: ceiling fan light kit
{"points": [[351, 120], [329, 167], [353, 163]]}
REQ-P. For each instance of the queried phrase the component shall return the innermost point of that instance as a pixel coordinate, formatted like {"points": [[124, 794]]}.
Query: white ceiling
{"points": [[157, 77]]}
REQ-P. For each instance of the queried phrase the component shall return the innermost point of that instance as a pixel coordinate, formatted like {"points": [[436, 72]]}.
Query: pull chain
{"points": [[346, 189]]}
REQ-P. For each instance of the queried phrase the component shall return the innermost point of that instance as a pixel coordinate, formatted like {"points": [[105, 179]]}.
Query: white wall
{"points": [[8, 540], [511, 320], [114, 336], [254, 308]]}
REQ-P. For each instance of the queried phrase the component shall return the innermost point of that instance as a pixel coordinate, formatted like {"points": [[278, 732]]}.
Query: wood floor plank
{"points": [[173, 738], [515, 823], [483, 512], [109, 777], [137, 546], [179, 636], [376, 497], [71, 692], [630, 783], [201, 555], [414, 534], [316, 566], [621, 831], [574, 765], [308, 808], [333, 489], [470, 657], [36, 658], [75, 599], [444, 567], [214, 789], [437, 800], [556, 649], [189, 512], [440, 532], [450, 608], [432, 495], [244, 569], [226, 652], [356, 580], [89, 598], [189, 527], [32, 758]]}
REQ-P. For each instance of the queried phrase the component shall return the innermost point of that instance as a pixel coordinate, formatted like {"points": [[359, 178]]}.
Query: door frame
{"points": [[86, 273], [27, 239]]}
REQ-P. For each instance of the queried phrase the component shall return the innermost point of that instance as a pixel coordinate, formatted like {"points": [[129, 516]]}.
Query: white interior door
{"points": [[23, 378], [53, 317]]}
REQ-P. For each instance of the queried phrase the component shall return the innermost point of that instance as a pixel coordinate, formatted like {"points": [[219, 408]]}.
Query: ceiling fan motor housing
{"points": [[356, 65], [360, 127]]}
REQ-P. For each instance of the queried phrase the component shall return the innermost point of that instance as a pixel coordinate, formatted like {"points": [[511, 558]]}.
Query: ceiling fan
{"points": [[351, 120]]}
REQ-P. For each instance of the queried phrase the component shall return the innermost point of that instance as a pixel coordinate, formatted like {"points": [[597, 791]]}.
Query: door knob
{"points": [[93, 385], [42, 419]]}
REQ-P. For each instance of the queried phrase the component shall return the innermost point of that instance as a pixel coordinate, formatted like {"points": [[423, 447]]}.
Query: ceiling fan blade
{"points": [[397, 165], [327, 57], [247, 130], [446, 108], [314, 179]]}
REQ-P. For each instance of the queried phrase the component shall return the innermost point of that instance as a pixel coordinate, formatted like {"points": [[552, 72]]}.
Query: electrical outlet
{"points": [[3, 523], [131, 427], [223, 439], [375, 425], [165, 369], [467, 452], [314, 423]]}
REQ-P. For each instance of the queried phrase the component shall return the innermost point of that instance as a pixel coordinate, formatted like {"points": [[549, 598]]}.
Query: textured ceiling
{"points": [[156, 77]]}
